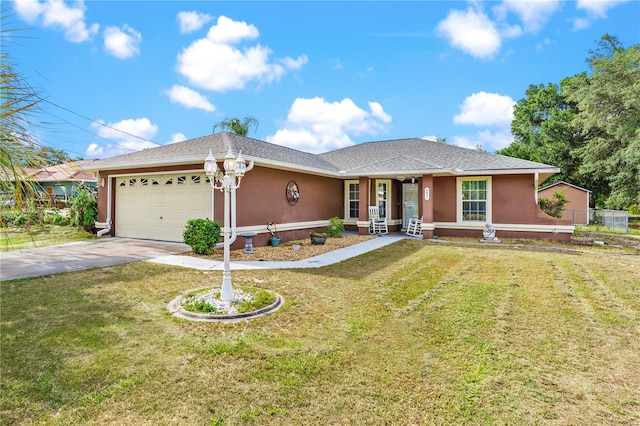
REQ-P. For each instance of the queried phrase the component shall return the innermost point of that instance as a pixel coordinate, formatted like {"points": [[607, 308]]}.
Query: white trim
{"points": [[362, 224], [166, 172], [291, 226], [459, 181], [280, 165], [346, 198], [355, 174], [561, 182], [428, 226], [387, 200], [514, 227]]}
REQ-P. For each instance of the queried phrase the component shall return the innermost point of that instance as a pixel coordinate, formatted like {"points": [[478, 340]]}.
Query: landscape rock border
{"points": [[175, 309]]}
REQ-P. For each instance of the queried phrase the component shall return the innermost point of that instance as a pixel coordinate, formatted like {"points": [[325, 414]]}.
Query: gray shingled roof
{"points": [[407, 155], [412, 155], [196, 150]]}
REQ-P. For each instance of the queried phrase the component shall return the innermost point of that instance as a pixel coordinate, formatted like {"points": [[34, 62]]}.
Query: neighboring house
{"points": [[150, 194], [577, 209], [62, 181]]}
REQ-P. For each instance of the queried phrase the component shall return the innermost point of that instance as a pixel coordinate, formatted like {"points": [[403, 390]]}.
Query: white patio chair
{"points": [[414, 228], [377, 224]]}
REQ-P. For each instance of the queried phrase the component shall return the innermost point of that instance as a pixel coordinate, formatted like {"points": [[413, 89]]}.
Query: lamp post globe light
{"points": [[227, 181]]}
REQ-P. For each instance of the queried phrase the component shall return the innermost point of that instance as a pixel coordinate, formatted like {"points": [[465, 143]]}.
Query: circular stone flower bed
{"points": [[205, 305]]}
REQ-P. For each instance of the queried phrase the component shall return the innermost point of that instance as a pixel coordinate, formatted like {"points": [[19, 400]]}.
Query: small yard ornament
{"points": [[489, 233]]}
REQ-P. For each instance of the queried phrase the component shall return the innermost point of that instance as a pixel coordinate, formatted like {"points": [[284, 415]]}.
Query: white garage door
{"points": [[156, 207]]}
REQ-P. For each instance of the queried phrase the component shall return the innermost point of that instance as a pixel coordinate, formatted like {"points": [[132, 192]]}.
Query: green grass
{"points": [[40, 236], [632, 229], [414, 333]]}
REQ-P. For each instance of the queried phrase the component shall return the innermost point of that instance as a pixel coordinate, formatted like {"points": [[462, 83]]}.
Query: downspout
{"points": [[108, 228], [535, 185]]}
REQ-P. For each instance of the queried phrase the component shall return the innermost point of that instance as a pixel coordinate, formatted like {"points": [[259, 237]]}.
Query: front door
{"points": [[409, 202]]}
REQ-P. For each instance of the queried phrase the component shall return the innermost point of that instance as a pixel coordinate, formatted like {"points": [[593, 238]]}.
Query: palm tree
{"points": [[235, 125], [18, 102]]}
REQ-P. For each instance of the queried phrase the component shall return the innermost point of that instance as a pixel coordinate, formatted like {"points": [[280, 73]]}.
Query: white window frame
{"points": [[386, 199], [459, 200], [347, 200]]}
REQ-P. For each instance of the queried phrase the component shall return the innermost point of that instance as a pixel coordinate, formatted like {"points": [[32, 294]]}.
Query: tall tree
{"points": [[609, 120], [235, 125], [589, 125], [543, 131]]}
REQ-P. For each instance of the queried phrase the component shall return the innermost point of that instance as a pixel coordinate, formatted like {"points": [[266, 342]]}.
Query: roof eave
{"points": [[544, 172], [194, 160], [395, 174]]}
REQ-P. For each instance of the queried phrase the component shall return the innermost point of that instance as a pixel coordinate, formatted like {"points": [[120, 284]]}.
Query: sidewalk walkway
{"points": [[312, 262], [116, 251]]}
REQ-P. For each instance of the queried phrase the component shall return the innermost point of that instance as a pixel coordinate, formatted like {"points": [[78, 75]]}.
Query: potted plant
{"points": [[274, 240], [318, 238]]}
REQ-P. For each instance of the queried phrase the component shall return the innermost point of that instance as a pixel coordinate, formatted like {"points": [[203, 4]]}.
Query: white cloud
{"points": [[595, 9], [192, 21], [464, 142], [510, 31], [487, 140], [294, 64], [215, 63], [228, 31], [315, 125], [127, 136], [177, 137], [472, 32], [55, 13], [378, 112], [122, 43], [581, 24], [598, 8], [533, 14], [542, 44], [486, 109], [190, 98]]}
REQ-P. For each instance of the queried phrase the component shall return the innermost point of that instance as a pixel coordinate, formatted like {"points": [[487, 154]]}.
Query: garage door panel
{"points": [[158, 206]]}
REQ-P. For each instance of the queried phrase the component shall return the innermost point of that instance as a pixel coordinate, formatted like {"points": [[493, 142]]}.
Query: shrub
{"points": [[83, 209], [201, 235], [33, 213], [58, 219], [555, 206], [8, 218], [21, 219], [335, 227]]}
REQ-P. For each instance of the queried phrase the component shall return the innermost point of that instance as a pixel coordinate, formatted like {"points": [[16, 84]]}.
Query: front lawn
{"points": [[40, 236], [413, 333]]}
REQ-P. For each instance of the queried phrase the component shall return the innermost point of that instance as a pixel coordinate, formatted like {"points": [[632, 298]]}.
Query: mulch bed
{"points": [[285, 251]]}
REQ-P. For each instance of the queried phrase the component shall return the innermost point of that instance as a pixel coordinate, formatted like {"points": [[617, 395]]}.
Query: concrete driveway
{"points": [[82, 255]]}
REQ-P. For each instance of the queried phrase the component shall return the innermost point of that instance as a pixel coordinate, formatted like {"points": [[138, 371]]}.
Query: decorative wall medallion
{"points": [[293, 193]]}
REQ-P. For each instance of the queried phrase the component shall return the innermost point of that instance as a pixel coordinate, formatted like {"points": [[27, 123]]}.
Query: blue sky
{"points": [[120, 76]]}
